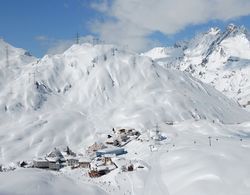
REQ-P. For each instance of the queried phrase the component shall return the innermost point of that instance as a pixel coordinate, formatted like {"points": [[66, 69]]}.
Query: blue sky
{"points": [[192, 30], [24, 20], [38, 25]]}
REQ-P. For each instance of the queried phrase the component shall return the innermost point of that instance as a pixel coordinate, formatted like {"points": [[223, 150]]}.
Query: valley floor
{"points": [[185, 163]]}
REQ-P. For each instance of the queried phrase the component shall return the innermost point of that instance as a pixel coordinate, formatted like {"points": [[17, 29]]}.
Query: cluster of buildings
{"points": [[102, 162], [102, 165], [98, 165], [55, 160], [121, 136], [99, 158]]}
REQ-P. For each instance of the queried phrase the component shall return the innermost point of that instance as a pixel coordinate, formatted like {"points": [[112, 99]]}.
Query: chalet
{"points": [[55, 156], [54, 161]]}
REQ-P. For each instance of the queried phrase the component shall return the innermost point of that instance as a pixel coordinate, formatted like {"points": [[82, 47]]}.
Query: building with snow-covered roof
{"points": [[84, 162], [55, 156], [115, 151], [41, 163], [106, 167], [54, 166]]}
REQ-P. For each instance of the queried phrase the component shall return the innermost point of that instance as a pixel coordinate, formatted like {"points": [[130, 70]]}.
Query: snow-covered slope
{"points": [[13, 61], [77, 97], [90, 89], [40, 182], [220, 58], [11, 56]]}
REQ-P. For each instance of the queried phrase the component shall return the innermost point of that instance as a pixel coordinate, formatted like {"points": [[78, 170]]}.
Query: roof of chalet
{"points": [[55, 155]]}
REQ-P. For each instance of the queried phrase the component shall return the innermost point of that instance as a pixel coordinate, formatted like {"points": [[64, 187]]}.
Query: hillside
{"points": [[76, 98]]}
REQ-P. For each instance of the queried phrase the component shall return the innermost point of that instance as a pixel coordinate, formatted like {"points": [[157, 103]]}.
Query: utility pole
{"points": [[94, 41], [33, 74], [7, 56], [157, 129], [77, 38], [209, 140]]}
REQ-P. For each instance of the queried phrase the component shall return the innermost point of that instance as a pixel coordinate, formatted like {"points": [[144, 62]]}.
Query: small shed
{"points": [[110, 141], [22, 163], [84, 162], [94, 173], [170, 122]]}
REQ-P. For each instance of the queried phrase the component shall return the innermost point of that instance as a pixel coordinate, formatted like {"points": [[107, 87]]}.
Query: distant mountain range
{"points": [[220, 58]]}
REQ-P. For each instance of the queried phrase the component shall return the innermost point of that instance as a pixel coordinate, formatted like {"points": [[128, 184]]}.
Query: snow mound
{"points": [[40, 182]]}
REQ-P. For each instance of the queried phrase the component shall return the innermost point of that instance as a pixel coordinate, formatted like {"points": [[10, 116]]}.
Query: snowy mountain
{"points": [[11, 56], [12, 62], [75, 99], [217, 57], [100, 87]]}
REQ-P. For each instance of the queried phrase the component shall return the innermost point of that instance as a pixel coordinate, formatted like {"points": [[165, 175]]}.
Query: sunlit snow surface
{"points": [[40, 182], [77, 97], [220, 58], [184, 164]]}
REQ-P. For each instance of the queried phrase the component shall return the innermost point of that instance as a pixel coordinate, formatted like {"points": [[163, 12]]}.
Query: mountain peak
{"points": [[214, 31], [232, 27], [13, 57]]}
